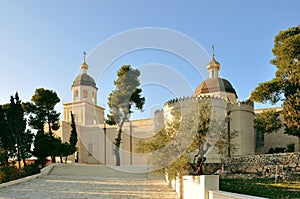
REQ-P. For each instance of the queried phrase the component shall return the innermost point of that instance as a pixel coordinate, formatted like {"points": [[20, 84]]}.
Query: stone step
{"points": [[100, 170], [92, 181]]}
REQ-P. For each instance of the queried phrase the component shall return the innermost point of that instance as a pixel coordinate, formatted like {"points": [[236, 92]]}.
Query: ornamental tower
{"points": [[215, 86], [84, 99]]}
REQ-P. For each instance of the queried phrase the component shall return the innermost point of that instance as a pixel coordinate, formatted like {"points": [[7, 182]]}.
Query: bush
{"points": [[290, 147], [31, 169], [279, 150], [271, 151], [9, 173]]}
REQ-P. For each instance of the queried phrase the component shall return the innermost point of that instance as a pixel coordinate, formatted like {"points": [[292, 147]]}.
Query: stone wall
{"points": [[282, 165]]}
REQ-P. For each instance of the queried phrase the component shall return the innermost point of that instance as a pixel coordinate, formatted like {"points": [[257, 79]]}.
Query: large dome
{"points": [[84, 79], [213, 85]]}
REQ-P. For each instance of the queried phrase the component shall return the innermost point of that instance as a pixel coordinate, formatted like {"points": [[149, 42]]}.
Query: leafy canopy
{"points": [[126, 94], [267, 121], [195, 127], [285, 86]]}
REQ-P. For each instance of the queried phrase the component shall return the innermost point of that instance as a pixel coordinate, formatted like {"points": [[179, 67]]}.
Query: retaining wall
{"points": [[285, 165]]}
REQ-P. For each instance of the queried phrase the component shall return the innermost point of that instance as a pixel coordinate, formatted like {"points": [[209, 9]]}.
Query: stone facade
{"points": [[96, 140], [240, 114]]}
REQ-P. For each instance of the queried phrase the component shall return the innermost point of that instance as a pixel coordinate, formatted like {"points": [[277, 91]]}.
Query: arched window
{"points": [[93, 96], [90, 149], [76, 95], [85, 93]]}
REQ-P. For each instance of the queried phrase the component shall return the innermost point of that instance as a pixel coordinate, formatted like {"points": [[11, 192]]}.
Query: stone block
{"points": [[293, 165], [251, 170]]}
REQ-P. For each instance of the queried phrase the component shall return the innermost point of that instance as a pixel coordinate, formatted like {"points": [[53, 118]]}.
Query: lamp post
{"points": [[104, 142], [130, 141]]}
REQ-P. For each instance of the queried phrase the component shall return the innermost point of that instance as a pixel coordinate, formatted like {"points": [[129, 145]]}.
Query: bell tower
{"points": [[84, 87], [84, 99]]}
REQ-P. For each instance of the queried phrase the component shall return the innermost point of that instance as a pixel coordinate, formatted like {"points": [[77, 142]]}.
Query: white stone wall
{"points": [[85, 93], [242, 121], [93, 144]]}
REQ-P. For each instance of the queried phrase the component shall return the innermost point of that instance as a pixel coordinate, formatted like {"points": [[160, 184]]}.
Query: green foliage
{"points": [[194, 128], [267, 121], [31, 169], [73, 137], [291, 112], [7, 145], [285, 86], [9, 173], [16, 124], [121, 100], [42, 111], [261, 188], [290, 147], [126, 94], [41, 147]]}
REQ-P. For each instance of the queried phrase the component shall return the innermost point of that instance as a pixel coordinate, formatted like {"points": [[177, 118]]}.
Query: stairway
{"points": [[112, 172]]}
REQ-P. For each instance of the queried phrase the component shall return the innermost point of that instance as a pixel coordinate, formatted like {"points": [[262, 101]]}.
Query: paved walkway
{"points": [[85, 181]]}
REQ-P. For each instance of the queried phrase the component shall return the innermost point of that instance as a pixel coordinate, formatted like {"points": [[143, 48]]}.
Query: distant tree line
{"points": [[26, 130]]}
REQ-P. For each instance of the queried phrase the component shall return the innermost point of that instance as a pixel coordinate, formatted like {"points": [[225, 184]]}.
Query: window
{"points": [[95, 120], [260, 139], [76, 95], [85, 93], [90, 149], [93, 96]]}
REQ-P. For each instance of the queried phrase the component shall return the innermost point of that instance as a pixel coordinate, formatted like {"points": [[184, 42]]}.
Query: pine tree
{"points": [[73, 137], [121, 100], [17, 126], [285, 86], [42, 112]]}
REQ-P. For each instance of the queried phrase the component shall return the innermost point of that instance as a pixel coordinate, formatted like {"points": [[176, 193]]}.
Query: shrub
{"points": [[290, 147], [9, 173], [31, 169]]}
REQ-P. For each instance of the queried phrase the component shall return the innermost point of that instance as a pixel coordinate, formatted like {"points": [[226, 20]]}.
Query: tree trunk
{"points": [[181, 186], [49, 123], [118, 143], [66, 159], [24, 162], [53, 159], [19, 156], [61, 159]]}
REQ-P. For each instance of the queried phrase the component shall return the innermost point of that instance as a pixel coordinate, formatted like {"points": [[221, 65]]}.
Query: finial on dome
{"points": [[84, 65], [213, 66], [84, 55]]}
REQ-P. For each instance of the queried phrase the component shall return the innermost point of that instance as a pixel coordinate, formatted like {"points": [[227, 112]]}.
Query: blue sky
{"points": [[41, 42]]}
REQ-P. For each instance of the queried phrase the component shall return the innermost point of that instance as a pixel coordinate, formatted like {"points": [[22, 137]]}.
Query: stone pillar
{"points": [[199, 186], [208, 183]]}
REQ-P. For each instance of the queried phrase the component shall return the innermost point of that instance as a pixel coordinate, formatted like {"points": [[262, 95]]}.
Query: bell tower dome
{"points": [[84, 86], [214, 85]]}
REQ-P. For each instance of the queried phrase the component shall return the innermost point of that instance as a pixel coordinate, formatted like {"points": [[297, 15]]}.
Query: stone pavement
{"points": [[86, 181]]}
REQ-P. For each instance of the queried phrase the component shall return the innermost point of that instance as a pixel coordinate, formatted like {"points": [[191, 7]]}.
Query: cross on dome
{"points": [[84, 65]]}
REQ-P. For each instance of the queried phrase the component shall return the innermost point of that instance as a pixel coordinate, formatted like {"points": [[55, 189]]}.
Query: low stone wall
{"points": [[282, 165], [229, 195], [203, 187]]}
